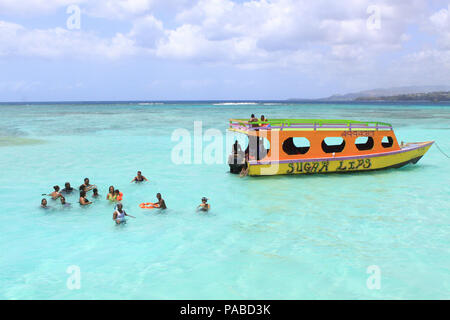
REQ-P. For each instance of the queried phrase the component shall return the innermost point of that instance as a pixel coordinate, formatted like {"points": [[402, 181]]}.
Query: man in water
{"points": [[161, 203], [55, 194], [87, 186], [95, 193], [67, 188], [119, 214], [204, 206], [139, 177], [44, 204]]}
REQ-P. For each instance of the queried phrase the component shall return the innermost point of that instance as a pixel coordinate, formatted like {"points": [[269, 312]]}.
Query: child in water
{"points": [[204, 206]]}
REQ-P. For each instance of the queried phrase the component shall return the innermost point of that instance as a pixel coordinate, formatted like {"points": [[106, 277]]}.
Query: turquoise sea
{"points": [[283, 237]]}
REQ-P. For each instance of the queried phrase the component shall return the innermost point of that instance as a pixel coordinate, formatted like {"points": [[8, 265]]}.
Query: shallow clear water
{"points": [[283, 237]]}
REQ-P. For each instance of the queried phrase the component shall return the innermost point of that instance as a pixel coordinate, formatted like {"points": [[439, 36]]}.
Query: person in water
{"points": [[118, 195], [95, 193], [204, 206], [44, 204], [67, 188], [87, 186], [139, 177], [161, 203], [55, 194], [119, 214], [83, 200], [64, 203], [111, 196]]}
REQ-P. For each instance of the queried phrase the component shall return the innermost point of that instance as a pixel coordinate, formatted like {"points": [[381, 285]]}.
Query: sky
{"points": [[79, 50]]}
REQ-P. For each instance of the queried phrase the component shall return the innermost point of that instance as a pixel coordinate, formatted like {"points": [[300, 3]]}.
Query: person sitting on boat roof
{"points": [[253, 119], [204, 206], [139, 177], [263, 119]]}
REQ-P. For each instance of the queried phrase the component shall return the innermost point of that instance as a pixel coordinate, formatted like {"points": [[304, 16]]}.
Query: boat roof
{"points": [[244, 125]]}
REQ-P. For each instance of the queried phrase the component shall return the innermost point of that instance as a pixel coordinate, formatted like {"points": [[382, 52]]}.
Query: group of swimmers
{"points": [[114, 195]]}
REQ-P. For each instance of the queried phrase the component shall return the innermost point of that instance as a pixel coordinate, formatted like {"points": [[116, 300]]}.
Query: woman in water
{"points": [[204, 206], [111, 196], [83, 200], [55, 194], [119, 214], [139, 177]]}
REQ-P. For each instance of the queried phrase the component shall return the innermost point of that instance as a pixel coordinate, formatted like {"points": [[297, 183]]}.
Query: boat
{"points": [[313, 146]]}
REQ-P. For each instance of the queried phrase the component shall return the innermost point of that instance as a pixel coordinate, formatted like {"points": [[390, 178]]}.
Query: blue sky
{"points": [[219, 49]]}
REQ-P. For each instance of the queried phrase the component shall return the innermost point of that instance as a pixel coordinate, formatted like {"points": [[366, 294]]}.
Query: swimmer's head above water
{"points": [[44, 203]]}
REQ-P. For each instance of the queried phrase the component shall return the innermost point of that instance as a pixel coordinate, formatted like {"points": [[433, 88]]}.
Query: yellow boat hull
{"points": [[411, 153]]}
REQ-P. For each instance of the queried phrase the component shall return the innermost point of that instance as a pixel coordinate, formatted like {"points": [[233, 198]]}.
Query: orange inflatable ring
{"points": [[148, 205], [120, 197]]}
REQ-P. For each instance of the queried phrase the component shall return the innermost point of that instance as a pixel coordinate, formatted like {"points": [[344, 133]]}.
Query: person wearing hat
{"points": [[204, 206]]}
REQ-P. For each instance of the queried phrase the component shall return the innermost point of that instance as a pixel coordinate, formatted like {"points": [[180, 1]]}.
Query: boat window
{"points": [[387, 142], [364, 143], [333, 144], [296, 145]]}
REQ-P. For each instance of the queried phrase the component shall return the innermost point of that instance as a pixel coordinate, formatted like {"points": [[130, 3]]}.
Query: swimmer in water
{"points": [[44, 204], [161, 203], [111, 196], [83, 200], [64, 203], [139, 178], [95, 193], [87, 185], [118, 196], [67, 188], [204, 206], [55, 194], [119, 214]]}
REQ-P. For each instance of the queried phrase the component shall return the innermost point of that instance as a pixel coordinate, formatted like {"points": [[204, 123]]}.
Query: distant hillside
{"points": [[386, 92], [383, 93], [426, 97]]}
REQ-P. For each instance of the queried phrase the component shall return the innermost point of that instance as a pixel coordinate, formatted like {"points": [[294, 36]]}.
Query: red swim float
{"points": [[148, 205]]}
